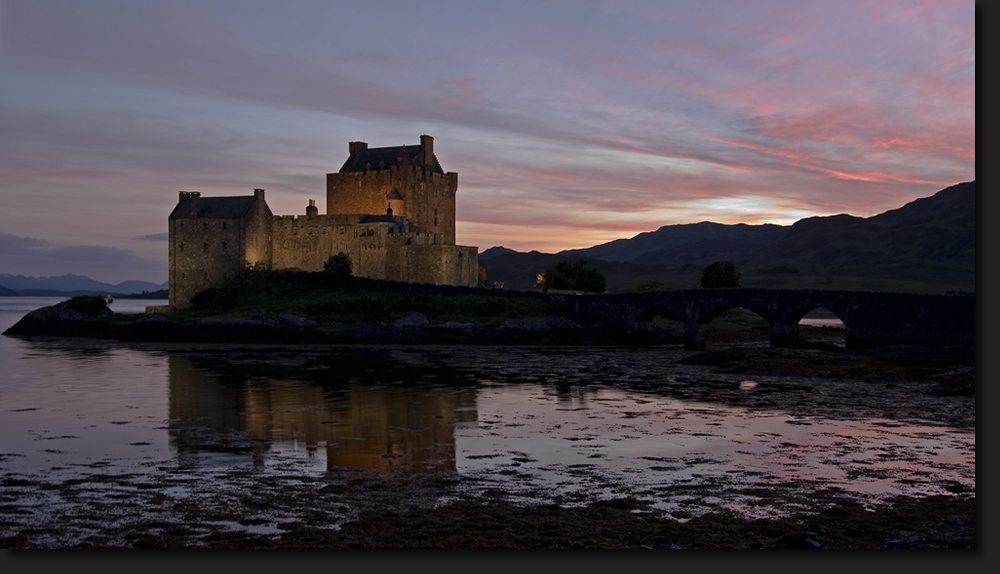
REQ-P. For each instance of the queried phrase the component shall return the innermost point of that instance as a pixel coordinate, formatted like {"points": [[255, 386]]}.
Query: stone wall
{"points": [[427, 198], [378, 249], [201, 253], [204, 251]]}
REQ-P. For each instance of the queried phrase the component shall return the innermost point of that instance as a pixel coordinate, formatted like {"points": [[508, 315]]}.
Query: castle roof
{"points": [[213, 207], [385, 157]]}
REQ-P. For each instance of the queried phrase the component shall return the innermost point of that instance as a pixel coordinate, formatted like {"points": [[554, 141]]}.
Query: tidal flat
{"points": [[114, 445]]}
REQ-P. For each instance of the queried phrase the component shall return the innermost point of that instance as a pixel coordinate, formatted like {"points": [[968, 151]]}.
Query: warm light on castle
{"points": [[391, 209]]}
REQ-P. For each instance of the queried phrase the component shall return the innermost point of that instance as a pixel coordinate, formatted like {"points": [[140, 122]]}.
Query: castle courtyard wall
{"points": [[305, 243]]}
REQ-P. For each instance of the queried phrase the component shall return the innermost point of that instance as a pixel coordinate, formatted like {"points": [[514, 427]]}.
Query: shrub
{"points": [[88, 304], [337, 270], [720, 274], [569, 275], [202, 297]]}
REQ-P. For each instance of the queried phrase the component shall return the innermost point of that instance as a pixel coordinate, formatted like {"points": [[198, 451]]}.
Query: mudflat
{"points": [[350, 508]]}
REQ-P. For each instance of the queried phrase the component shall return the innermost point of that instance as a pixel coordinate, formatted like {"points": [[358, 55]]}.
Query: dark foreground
{"points": [[355, 509], [931, 522]]}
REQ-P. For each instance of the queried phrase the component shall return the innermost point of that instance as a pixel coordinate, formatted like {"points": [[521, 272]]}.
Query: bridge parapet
{"points": [[869, 318]]}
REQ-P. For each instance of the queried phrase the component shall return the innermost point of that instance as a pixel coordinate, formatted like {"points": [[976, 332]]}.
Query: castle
{"points": [[391, 209]]}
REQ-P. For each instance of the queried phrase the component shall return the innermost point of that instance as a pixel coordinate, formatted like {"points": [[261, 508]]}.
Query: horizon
{"points": [[569, 124]]}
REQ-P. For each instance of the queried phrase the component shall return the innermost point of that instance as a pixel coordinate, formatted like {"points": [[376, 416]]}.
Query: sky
{"points": [[570, 124]]}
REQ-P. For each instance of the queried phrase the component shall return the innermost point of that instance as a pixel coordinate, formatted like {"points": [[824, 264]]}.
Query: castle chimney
{"points": [[355, 147], [188, 195], [311, 209], [427, 143], [258, 193]]}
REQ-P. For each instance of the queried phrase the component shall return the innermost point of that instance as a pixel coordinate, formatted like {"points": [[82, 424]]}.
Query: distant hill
{"points": [[932, 232], [926, 246], [495, 252], [72, 284], [687, 244], [5, 292]]}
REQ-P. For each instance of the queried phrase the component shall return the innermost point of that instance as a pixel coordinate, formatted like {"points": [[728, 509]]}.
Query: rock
{"points": [[289, 320], [816, 529], [410, 321], [75, 317], [799, 540]]}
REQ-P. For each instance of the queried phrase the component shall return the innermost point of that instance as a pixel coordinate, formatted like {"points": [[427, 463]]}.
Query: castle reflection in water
{"points": [[392, 425]]}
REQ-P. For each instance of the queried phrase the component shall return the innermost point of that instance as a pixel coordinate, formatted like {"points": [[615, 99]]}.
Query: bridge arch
{"points": [[674, 316], [790, 323], [790, 311], [698, 328]]}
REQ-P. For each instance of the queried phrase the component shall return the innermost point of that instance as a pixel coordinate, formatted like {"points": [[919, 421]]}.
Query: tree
{"points": [[720, 274], [337, 270], [481, 281], [575, 276]]}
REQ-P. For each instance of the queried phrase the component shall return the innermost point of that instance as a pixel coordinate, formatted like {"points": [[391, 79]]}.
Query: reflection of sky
{"points": [[75, 407], [569, 124], [654, 442]]}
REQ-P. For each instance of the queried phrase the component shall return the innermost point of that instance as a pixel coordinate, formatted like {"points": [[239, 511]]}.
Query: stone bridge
{"points": [[869, 318]]}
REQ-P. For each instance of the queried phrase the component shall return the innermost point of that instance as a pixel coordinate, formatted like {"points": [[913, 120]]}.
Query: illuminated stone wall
{"points": [[427, 198], [202, 251]]}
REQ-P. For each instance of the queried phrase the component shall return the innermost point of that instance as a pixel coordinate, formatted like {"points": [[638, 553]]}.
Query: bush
{"points": [[88, 305], [337, 270], [205, 296], [720, 274], [575, 276]]}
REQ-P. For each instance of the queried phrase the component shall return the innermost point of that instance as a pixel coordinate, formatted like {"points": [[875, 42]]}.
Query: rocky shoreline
{"points": [[65, 321], [897, 383]]}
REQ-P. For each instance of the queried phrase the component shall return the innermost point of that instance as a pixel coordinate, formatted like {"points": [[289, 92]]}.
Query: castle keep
{"points": [[392, 210]]}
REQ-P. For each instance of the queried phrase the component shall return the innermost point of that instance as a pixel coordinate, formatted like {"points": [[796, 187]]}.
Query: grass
{"points": [[272, 292]]}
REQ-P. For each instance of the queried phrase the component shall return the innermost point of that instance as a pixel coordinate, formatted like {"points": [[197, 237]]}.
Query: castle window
{"points": [[225, 225], [204, 227], [342, 229], [204, 246], [206, 275], [435, 217], [183, 227], [182, 246], [184, 275], [225, 246]]}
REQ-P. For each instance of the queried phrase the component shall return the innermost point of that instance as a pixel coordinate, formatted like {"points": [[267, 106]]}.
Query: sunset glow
{"points": [[569, 123]]}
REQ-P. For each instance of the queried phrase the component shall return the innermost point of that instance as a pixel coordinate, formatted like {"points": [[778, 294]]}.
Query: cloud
{"points": [[576, 115], [36, 257], [155, 237]]}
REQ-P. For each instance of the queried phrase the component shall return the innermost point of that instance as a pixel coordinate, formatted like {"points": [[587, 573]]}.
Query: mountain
{"points": [[74, 283], [495, 252], [937, 231], [926, 246], [687, 244]]}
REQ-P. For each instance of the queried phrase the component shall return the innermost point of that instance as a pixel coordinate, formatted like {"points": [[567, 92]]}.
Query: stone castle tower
{"points": [[392, 210], [407, 179]]}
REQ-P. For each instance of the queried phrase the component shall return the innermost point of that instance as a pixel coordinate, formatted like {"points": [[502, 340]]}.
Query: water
{"points": [[88, 422]]}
